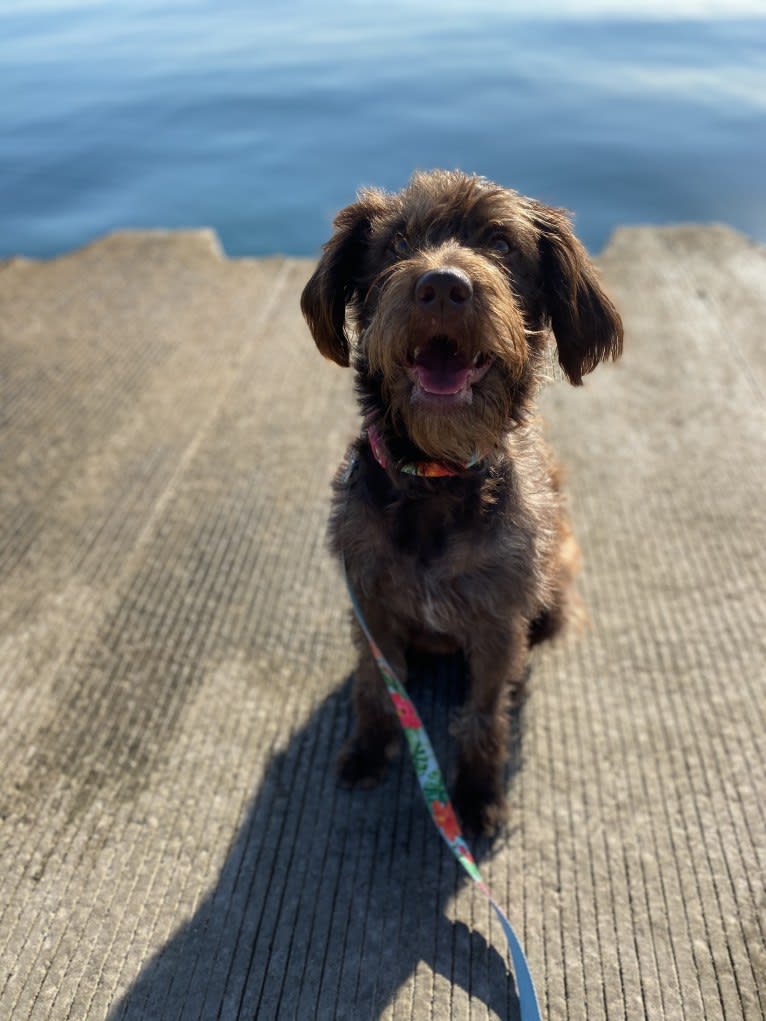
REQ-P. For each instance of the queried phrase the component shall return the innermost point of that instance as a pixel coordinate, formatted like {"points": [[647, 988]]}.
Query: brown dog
{"points": [[447, 510]]}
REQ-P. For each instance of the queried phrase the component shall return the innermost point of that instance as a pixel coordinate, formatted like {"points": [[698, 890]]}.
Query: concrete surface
{"points": [[175, 662]]}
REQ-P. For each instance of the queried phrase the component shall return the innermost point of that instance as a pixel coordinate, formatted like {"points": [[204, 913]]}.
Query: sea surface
{"points": [[261, 119]]}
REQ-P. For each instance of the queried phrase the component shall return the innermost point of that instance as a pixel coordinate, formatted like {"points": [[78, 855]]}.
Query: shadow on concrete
{"points": [[328, 900]]}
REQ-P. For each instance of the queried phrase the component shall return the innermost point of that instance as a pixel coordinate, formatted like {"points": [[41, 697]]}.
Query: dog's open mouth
{"points": [[441, 369]]}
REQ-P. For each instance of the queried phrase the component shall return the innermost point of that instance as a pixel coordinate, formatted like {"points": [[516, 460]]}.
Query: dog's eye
{"points": [[500, 245], [400, 244]]}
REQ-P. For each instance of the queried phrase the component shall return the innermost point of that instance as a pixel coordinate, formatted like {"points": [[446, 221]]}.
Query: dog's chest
{"points": [[438, 602], [418, 529], [432, 556]]}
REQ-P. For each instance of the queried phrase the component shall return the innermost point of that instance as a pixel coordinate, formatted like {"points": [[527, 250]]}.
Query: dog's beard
{"points": [[458, 431]]}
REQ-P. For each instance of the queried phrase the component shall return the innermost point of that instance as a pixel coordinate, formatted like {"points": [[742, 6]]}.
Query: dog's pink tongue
{"points": [[440, 372]]}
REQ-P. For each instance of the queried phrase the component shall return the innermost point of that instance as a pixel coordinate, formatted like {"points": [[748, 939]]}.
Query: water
{"points": [[261, 119]]}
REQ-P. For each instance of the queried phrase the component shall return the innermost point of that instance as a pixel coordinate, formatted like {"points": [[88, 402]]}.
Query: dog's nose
{"points": [[448, 288]]}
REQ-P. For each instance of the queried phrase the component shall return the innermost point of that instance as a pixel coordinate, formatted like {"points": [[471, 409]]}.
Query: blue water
{"points": [[262, 118]]}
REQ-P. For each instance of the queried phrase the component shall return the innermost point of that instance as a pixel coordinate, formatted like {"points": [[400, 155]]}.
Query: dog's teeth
{"points": [[416, 352], [476, 358]]}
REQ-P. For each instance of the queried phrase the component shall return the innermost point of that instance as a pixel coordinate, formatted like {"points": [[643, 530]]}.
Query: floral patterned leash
{"points": [[437, 800]]}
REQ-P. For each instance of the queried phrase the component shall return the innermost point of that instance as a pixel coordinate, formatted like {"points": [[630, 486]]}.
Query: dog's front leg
{"points": [[497, 662], [365, 756]]}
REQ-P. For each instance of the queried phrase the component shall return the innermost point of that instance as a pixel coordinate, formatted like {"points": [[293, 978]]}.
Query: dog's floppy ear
{"points": [[585, 323], [333, 283]]}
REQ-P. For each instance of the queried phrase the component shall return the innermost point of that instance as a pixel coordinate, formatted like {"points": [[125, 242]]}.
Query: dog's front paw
{"points": [[481, 810], [361, 765]]}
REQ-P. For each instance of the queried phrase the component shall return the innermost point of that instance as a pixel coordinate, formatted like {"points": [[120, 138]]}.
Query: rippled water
{"points": [[261, 119]]}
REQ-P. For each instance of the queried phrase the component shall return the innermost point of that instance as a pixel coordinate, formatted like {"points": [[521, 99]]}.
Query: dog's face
{"points": [[451, 287]]}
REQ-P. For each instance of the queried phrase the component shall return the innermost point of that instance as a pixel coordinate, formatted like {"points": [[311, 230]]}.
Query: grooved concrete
{"points": [[175, 662]]}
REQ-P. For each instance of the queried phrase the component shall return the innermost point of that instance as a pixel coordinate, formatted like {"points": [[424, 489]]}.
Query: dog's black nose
{"points": [[449, 288]]}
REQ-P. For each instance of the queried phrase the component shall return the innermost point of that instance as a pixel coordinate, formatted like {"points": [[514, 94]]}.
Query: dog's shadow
{"points": [[329, 900]]}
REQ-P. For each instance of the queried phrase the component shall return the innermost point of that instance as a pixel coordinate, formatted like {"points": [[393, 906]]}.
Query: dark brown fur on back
{"points": [[444, 296]]}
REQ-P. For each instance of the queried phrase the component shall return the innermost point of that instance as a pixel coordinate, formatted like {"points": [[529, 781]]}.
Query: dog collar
{"points": [[425, 469]]}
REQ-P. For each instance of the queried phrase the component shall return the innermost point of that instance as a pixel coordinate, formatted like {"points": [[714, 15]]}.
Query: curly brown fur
{"points": [[446, 294]]}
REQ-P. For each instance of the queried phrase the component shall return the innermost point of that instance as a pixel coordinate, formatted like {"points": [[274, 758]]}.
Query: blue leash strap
{"points": [[437, 800]]}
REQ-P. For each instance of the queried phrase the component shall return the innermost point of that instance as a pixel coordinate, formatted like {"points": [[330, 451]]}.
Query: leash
{"points": [[437, 801]]}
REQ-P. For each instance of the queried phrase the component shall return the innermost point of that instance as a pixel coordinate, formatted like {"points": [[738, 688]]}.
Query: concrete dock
{"points": [[176, 659]]}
